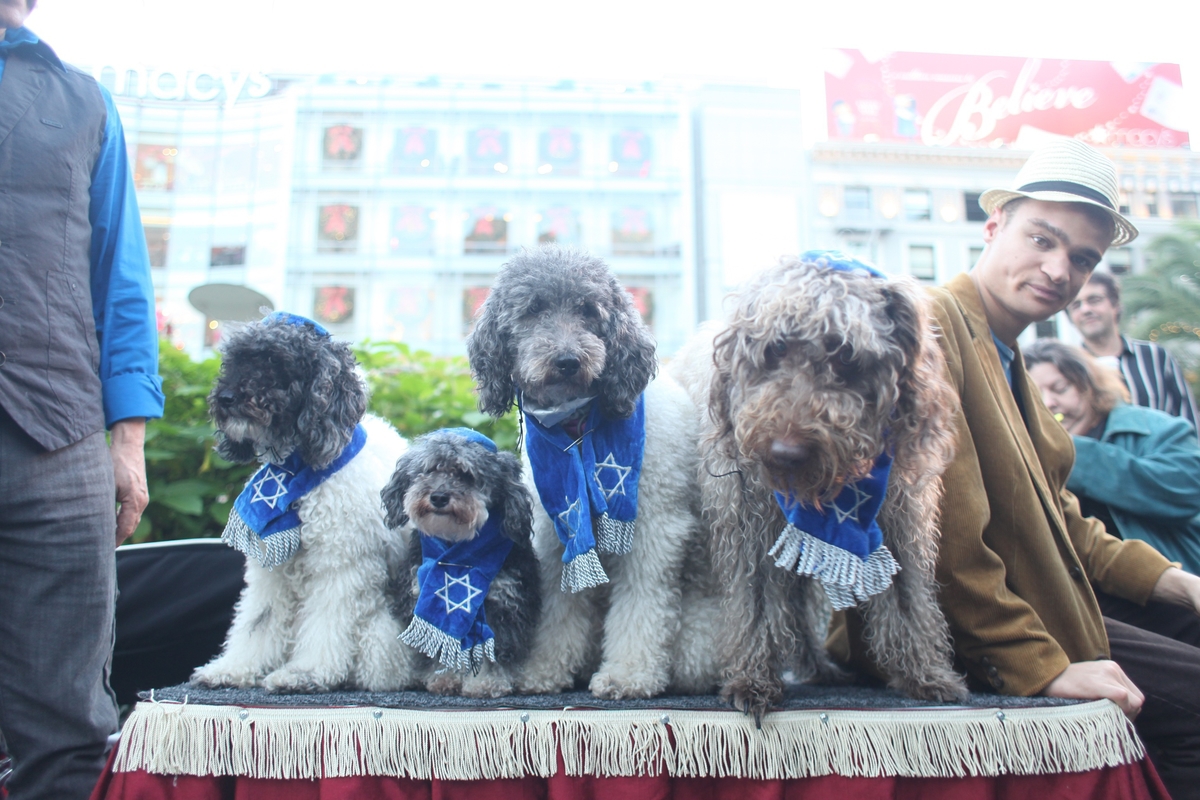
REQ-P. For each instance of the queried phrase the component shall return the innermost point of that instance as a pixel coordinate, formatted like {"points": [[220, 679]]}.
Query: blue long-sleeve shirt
{"points": [[122, 293]]}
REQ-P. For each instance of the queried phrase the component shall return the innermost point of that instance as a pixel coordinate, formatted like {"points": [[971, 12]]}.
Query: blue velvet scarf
{"points": [[264, 522], [841, 545], [589, 487]]}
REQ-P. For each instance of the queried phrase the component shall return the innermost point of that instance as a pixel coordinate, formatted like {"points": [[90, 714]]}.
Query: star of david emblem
{"points": [[270, 487], [463, 605], [860, 497], [622, 474], [565, 517]]}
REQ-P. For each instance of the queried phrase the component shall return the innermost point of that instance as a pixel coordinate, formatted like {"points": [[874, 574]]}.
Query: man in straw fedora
{"points": [[1020, 567]]}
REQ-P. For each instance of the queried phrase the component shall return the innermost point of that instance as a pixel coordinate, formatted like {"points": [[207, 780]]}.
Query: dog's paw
{"points": [[538, 682], [940, 686], [217, 675], [486, 686], [291, 680], [444, 683], [621, 682], [751, 696]]}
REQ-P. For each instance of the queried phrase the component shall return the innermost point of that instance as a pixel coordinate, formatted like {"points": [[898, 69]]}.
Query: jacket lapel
{"points": [[22, 83]]}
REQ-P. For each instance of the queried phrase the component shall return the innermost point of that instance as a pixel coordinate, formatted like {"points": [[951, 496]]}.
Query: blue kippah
{"points": [[473, 436], [836, 259], [295, 319]]}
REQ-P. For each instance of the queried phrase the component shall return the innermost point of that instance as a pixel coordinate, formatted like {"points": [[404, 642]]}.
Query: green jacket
{"points": [[1146, 469]]}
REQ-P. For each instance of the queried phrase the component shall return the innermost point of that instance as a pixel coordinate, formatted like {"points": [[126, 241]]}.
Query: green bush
{"points": [[192, 488]]}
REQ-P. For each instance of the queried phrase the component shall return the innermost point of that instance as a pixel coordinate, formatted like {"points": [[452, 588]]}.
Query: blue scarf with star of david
{"points": [[448, 622], [589, 487], [264, 522], [841, 545]]}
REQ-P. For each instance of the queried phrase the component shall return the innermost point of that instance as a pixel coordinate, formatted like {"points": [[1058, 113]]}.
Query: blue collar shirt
{"points": [[122, 292]]}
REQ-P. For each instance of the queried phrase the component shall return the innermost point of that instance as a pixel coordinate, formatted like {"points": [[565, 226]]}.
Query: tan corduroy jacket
{"points": [[1016, 559]]}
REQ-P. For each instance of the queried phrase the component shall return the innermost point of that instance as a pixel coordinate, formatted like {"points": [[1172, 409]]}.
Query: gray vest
{"points": [[51, 127]]}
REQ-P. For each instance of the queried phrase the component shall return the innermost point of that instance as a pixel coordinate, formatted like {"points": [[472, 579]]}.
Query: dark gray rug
{"points": [[797, 698]]}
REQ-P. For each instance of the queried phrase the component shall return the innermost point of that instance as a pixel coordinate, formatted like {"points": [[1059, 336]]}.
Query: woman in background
{"points": [[1136, 469]]}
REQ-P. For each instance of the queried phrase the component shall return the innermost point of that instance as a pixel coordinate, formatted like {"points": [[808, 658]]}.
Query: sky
{"points": [[748, 41]]}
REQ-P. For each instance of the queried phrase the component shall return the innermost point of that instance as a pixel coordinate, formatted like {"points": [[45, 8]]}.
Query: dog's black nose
{"points": [[788, 452], [225, 397], [567, 365], [439, 499]]}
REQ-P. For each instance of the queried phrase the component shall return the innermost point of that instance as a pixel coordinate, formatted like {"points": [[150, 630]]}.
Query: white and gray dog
{"points": [[448, 486], [557, 329], [815, 374], [321, 618]]}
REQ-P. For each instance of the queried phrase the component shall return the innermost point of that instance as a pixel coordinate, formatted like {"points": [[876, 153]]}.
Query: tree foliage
{"points": [[192, 488], [1163, 303]]}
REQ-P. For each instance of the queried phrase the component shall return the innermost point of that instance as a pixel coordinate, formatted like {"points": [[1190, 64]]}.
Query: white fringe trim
{"points": [[182, 739], [270, 552], [846, 578], [436, 643], [583, 572], [614, 535]]}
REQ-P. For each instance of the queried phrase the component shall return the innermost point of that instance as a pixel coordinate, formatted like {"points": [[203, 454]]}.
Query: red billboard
{"points": [[992, 101]]}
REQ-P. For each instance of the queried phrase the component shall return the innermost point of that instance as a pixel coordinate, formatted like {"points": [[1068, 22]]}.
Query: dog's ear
{"points": [[335, 400], [922, 427], [518, 507], [393, 494], [631, 359], [237, 452], [490, 357], [720, 392]]}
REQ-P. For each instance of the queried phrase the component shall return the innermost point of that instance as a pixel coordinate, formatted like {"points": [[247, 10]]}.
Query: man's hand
{"points": [[1178, 588], [1096, 680], [129, 470]]}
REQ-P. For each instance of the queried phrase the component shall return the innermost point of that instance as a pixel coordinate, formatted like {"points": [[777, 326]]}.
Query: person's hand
{"points": [[1178, 588], [129, 471], [1096, 680]]}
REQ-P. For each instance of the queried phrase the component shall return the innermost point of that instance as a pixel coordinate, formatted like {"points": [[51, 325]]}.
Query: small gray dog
{"points": [[449, 485], [559, 333], [817, 372]]}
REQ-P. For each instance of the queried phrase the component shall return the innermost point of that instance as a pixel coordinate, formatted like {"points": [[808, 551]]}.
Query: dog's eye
{"points": [[534, 308], [776, 352], [464, 476], [589, 310]]}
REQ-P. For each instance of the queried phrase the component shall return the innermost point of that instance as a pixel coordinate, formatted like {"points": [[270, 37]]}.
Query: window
{"points": [[337, 230], [228, 256], [487, 231], [414, 150], [857, 202], [558, 152], [1152, 204], [157, 238], [1123, 203], [643, 301], [975, 212], [921, 262], [343, 145], [333, 304], [1046, 329], [487, 151], [559, 224], [1183, 204], [916, 204], [473, 297], [973, 255], [632, 232], [1119, 260], [631, 154], [412, 231], [154, 167]]}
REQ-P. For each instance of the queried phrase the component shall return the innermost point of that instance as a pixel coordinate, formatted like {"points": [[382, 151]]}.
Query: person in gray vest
{"points": [[78, 353]]}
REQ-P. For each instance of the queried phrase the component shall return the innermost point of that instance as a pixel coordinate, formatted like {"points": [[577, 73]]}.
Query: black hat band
{"points": [[1069, 187]]}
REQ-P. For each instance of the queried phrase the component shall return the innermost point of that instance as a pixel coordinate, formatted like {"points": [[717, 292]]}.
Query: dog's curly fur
{"points": [[558, 326], [322, 619], [816, 372], [446, 485]]}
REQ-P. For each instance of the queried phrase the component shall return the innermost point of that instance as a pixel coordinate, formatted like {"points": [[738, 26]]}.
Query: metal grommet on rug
{"points": [[1000, 716], [525, 717], [377, 713], [665, 719], [824, 718], [244, 714]]}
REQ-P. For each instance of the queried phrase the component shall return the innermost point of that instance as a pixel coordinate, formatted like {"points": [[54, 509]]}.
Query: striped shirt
{"points": [[1155, 380]]}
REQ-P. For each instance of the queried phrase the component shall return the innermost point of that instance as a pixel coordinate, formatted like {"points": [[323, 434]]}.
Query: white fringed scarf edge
{"points": [[307, 743]]}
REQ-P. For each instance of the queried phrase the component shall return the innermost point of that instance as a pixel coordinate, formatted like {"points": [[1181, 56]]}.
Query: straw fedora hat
{"points": [[1067, 171]]}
